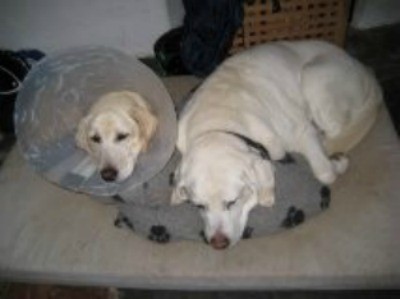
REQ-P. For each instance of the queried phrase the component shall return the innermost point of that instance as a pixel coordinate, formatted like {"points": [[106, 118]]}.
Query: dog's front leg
{"points": [[274, 147], [259, 131]]}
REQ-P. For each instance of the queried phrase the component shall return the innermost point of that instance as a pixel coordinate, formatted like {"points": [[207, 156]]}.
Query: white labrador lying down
{"points": [[117, 128], [308, 97]]}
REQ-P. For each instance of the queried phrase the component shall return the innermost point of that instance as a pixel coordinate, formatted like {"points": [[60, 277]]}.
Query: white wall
{"points": [[373, 13], [132, 25], [48, 25]]}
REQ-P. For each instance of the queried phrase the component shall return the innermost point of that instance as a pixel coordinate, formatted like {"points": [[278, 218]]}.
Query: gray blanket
{"points": [[146, 209]]}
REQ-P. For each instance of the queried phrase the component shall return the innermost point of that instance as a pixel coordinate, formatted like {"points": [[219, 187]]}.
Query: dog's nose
{"points": [[109, 174], [219, 241]]}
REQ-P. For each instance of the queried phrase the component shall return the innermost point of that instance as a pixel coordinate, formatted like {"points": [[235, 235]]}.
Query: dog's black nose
{"points": [[109, 174]]}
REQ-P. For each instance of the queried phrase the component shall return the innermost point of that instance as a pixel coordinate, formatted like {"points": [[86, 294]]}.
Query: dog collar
{"points": [[258, 147]]}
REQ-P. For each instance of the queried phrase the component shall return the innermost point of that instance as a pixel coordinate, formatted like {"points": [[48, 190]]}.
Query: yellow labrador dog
{"points": [[308, 97], [117, 128]]}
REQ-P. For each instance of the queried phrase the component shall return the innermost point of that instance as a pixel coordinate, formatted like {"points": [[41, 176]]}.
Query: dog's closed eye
{"points": [[96, 138], [200, 206], [230, 204], [121, 136]]}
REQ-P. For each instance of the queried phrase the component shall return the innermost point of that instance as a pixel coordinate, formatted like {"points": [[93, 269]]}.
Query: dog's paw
{"points": [[276, 153], [327, 177], [325, 193], [293, 218], [340, 163], [266, 197], [159, 234]]}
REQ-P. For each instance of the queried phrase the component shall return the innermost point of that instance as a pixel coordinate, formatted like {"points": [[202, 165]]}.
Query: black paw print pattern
{"points": [[122, 221], [325, 193], [159, 234], [247, 233], [294, 217]]}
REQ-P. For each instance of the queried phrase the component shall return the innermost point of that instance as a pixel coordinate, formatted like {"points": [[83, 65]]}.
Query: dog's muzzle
{"points": [[219, 241]]}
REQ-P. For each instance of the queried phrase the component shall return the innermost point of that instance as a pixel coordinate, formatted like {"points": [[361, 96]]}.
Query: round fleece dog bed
{"points": [[146, 210], [58, 93]]}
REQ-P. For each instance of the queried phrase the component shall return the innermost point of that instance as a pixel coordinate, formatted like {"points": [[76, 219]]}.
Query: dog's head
{"points": [[225, 180], [114, 134]]}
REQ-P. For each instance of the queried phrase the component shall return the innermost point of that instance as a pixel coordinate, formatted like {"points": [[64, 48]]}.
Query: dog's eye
{"points": [[96, 138], [200, 207], [121, 136], [230, 204]]}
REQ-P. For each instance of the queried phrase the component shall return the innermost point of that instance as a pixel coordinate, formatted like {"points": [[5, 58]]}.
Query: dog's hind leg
{"points": [[324, 168]]}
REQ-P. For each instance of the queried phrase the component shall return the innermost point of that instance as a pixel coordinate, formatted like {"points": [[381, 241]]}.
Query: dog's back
{"points": [[283, 86]]}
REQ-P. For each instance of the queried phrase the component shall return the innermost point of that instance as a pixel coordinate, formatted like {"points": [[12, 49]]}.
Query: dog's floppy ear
{"points": [[146, 120], [260, 177], [81, 136], [180, 193]]}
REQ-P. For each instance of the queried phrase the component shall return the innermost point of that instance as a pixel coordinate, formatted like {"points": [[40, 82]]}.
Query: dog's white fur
{"points": [[117, 128], [308, 97]]}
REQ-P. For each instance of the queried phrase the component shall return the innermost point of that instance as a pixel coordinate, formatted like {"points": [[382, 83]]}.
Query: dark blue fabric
{"points": [[14, 66], [208, 29]]}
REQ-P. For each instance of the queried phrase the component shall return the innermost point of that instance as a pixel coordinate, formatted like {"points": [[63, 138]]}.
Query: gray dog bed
{"points": [[146, 209]]}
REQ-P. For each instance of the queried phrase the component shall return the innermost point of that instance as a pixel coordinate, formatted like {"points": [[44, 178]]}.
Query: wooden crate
{"points": [[266, 21]]}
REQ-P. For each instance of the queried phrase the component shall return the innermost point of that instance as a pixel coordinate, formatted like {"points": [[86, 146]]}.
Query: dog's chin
{"points": [[126, 172], [122, 178], [233, 240]]}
